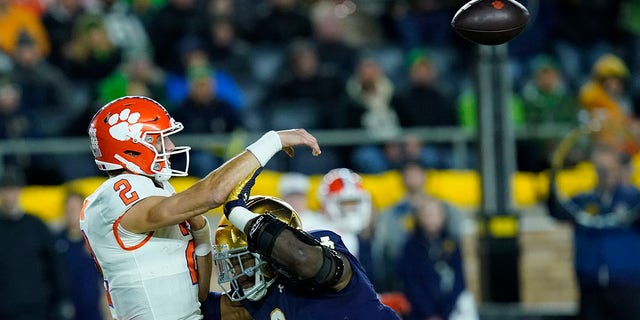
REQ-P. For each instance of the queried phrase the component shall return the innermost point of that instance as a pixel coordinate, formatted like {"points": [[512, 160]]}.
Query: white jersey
{"points": [[147, 276]]}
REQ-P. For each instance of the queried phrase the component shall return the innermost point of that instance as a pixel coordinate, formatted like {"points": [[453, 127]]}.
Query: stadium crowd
{"points": [[220, 66], [230, 66]]}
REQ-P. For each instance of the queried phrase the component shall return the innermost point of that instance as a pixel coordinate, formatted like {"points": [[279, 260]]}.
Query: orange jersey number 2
{"points": [[126, 195]]}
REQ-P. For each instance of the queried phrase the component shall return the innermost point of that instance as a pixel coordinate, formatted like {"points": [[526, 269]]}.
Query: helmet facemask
{"points": [[351, 210], [241, 273], [161, 166]]}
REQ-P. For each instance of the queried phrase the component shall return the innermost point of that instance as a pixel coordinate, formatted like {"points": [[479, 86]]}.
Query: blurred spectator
{"points": [[305, 96], [546, 96], [423, 23], [87, 292], [91, 56], [467, 102], [370, 92], [605, 222], [193, 54], [145, 10], [203, 112], [226, 51], [578, 48], [432, 269], [15, 120], [125, 30], [287, 21], [395, 224], [393, 154], [34, 284], [336, 55], [534, 40], [48, 90], [605, 95], [293, 188], [59, 20], [424, 102], [547, 100], [16, 20], [356, 20], [349, 209], [606, 98], [243, 14], [172, 22], [629, 42], [136, 74]]}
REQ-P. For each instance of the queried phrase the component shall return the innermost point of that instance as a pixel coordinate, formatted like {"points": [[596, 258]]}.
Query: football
{"points": [[490, 22]]}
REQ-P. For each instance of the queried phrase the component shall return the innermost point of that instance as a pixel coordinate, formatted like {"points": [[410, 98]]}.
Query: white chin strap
{"points": [[163, 175], [129, 165]]}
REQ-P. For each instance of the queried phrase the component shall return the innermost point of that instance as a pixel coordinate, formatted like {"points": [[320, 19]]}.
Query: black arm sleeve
{"points": [[294, 253]]}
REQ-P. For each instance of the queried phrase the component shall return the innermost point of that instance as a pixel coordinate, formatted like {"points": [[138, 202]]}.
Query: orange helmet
{"points": [[344, 199], [123, 134]]}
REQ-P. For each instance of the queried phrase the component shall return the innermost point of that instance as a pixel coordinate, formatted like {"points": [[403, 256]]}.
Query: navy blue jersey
{"points": [[357, 300]]}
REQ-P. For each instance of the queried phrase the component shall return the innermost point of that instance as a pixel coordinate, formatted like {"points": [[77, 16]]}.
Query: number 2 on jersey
{"points": [[126, 195]]}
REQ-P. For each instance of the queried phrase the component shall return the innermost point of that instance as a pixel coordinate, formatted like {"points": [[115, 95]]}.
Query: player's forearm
{"points": [[293, 251], [302, 259], [206, 194], [232, 310], [310, 262], [204, 275], [201, 233], [214, 189]]}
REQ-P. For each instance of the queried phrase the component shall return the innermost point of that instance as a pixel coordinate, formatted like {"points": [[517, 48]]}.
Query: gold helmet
{"points": [[235, 264]]}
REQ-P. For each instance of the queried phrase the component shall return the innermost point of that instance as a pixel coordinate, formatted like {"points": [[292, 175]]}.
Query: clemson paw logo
{"points": [[124, 125]]}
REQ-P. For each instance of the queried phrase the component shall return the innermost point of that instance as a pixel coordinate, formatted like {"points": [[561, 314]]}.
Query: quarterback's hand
{"points": [[240, 194], [296, 137]]}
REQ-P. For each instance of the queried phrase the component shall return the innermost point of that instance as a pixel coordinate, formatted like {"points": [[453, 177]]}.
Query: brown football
{"points": [[490, 22]]}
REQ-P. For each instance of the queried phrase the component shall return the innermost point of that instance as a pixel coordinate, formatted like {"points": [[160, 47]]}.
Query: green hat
{"points": [[417, 55]]}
